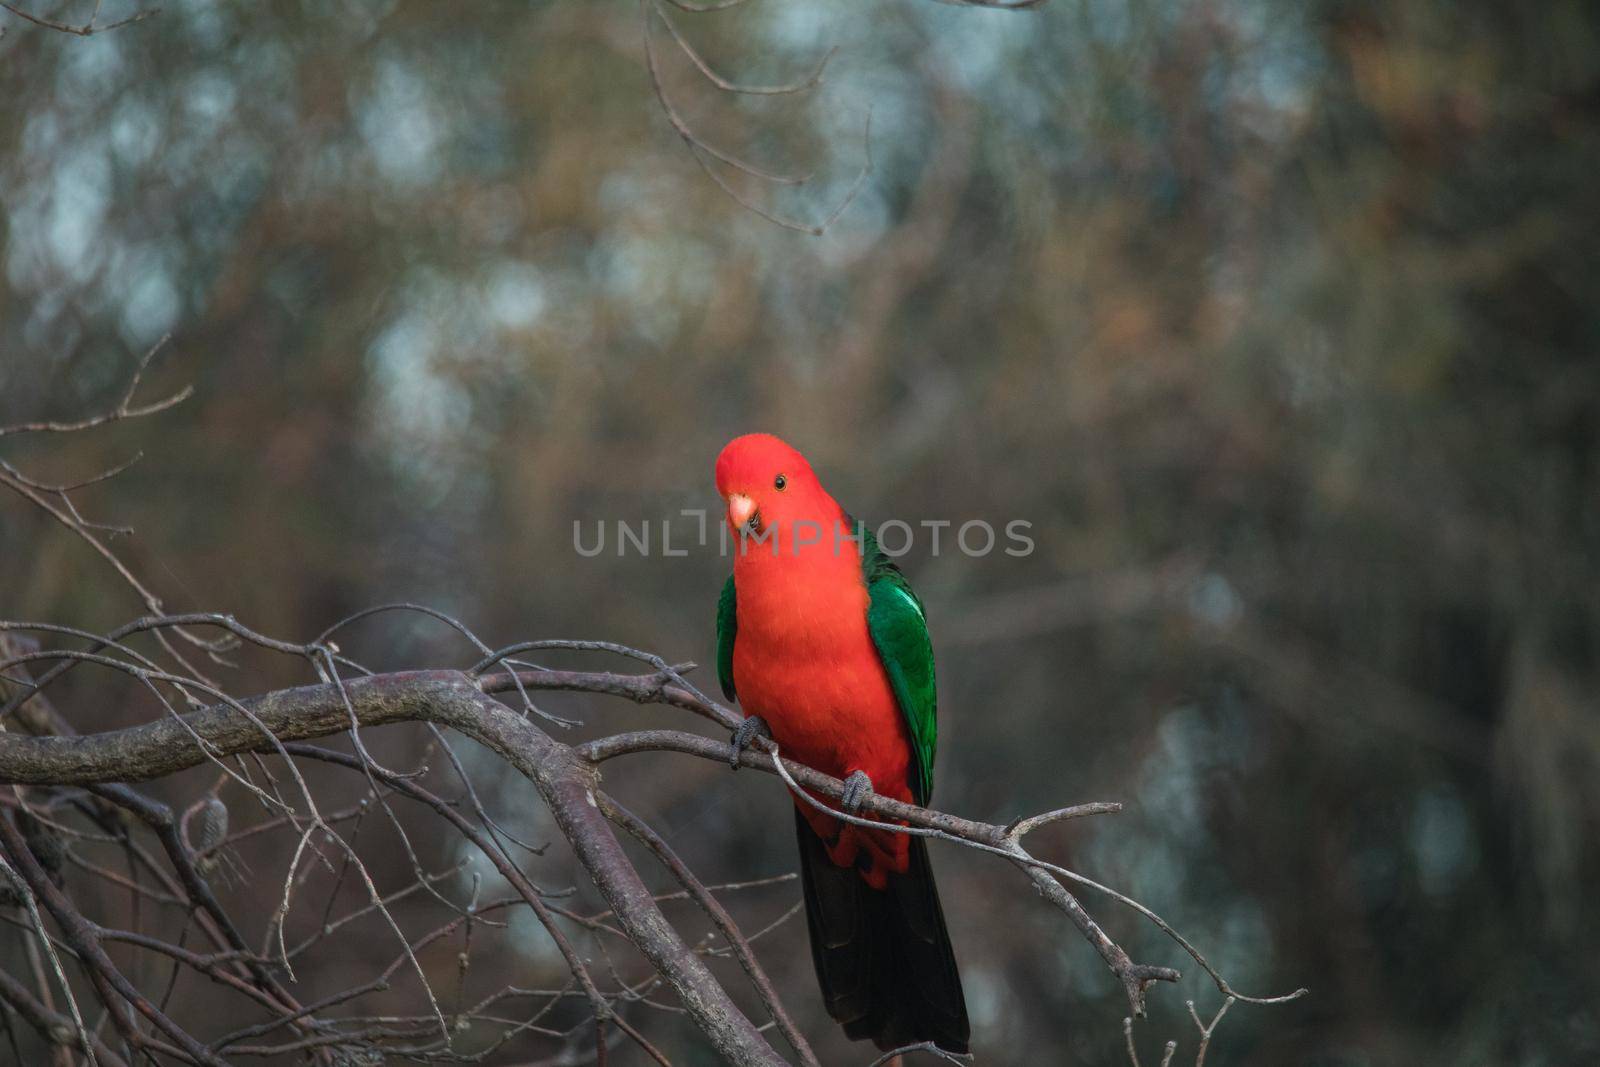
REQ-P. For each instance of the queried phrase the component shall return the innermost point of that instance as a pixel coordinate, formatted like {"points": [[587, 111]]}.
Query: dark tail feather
{"points": [[883, 957]]}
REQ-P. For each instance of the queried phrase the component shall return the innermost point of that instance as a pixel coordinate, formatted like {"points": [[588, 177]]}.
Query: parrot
{"points": [[825, 646]]}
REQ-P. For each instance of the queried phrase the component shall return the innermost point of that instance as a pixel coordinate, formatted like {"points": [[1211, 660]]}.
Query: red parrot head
{"points": [[767, 484]]}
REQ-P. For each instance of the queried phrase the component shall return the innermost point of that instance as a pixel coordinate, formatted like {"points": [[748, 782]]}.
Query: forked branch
{"points": [[568, 777]]}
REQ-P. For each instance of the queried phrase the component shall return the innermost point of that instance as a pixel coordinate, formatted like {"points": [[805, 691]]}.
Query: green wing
{"points": [[899, 629], [727, 627]]}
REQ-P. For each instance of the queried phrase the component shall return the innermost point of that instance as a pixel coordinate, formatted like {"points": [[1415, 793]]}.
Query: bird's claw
{"points": [[857, 788], [754, 726]]}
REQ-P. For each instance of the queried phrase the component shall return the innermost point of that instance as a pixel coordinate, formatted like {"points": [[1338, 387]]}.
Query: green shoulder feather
{"points": [[727, 627], [899, 629]]}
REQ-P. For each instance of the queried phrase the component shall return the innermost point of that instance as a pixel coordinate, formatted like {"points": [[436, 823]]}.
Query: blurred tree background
{"points": [[1277, 320]]}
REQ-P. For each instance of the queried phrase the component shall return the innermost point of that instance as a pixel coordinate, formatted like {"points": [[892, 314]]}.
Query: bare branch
{"points": [[452, 699], [87, 29], [125, 408], [707, 155]]}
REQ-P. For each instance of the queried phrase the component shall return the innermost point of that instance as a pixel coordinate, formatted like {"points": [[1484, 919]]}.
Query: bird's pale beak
{"points": [[740, 508]]}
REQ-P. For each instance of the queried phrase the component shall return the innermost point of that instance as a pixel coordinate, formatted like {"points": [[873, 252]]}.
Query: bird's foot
{"points": [[857, 788], [754, 726]]}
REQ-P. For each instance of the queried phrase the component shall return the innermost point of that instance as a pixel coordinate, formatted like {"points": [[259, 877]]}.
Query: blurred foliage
{"points": [[1277, 320]]}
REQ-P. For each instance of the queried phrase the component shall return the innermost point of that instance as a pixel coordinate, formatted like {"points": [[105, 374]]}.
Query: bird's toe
{"points": [[754, 726], [856, 789]]}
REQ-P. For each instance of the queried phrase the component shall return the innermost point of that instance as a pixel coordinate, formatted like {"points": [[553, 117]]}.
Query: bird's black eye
{"points": [[779, 482]]}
